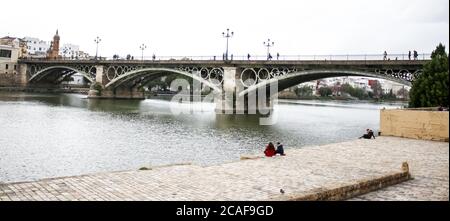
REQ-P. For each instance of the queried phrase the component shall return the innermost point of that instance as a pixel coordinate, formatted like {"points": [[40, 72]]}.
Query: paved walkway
{"points": [[300, 171]]}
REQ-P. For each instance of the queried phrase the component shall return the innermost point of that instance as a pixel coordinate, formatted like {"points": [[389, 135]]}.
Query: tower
{"points": [[54, 47]]}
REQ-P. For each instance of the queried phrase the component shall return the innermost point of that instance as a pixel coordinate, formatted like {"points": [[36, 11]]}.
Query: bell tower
{"points": [[54, 47]]}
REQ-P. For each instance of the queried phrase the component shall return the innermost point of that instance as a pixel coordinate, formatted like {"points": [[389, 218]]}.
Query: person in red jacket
{"points": [[270, 150]]}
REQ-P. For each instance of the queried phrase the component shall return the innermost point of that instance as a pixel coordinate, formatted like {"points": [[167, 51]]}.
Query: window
{"points": [[5, 53], [7, 66], [15, 67]]}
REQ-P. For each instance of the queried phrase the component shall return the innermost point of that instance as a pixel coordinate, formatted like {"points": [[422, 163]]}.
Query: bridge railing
{"points": [[349, 57]]}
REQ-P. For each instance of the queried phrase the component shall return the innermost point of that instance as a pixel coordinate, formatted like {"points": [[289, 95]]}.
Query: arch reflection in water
{"points": [[65, 134]]}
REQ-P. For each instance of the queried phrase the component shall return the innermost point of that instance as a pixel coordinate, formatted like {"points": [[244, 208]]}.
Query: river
{"points": [[52, 135]]}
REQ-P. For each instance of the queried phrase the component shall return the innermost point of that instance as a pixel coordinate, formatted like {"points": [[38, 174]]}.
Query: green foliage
{"points": [[157, 83], [354, 92], [304, 91], [325, 91], [430, 89], [389, 96]]}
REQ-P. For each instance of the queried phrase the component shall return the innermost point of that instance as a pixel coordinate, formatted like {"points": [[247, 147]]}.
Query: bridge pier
{"points": [[23, 76], [117, 93], [232, 103], [226, 103], [123, 93], [98, 89]]}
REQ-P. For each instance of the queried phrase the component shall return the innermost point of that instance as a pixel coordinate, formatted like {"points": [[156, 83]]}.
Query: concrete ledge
{"points": [[415, 124], [351, 190]]}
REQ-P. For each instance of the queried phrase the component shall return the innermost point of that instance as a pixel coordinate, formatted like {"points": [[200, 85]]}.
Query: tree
{"points": [[430, 89], [354, 92], [377, 90], [390, 95], [325, 91], [403, 93], [304, 91], [157, 83], [337, 88]]}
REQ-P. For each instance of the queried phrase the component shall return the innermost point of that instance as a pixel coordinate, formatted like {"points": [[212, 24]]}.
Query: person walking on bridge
{"points": [[385, 56], [248, 57], [409, 55]]}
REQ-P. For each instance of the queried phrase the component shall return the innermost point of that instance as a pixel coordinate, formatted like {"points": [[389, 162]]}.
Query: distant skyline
{"points": [[176, 27]]}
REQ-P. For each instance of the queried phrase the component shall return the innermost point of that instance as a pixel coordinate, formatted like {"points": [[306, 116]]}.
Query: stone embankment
{"points": [[328, 172]]}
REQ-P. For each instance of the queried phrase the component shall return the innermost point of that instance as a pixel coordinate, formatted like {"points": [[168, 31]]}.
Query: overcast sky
{"points": [[182, 27]]}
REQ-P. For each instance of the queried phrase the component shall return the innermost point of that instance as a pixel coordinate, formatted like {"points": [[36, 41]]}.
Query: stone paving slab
{"points": [[261, 179]]}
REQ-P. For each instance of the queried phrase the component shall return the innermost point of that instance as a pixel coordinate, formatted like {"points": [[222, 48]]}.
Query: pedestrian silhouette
{"points": [[248, 57], [278, 56], [385, 55], [409, 55]]}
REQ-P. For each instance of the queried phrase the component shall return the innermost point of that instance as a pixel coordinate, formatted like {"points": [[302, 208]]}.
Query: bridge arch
{"points": [[292, 79], [63, 71], [157, 72]]}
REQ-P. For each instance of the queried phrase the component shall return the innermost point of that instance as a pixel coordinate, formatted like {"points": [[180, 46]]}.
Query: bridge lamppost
{"points": [[268, 44], [227, 35], [142, 47], [97, 40]]}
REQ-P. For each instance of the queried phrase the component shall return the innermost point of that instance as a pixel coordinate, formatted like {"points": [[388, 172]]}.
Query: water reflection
{"points": [[111, 105], [237, 121], [48, 135]]}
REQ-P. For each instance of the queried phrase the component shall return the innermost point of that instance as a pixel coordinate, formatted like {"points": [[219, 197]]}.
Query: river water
{"points": [[51, 135]]}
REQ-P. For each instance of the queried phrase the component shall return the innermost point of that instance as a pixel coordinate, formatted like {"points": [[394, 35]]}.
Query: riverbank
{"points": [[301, 171], [288, 95], [67, 90]]}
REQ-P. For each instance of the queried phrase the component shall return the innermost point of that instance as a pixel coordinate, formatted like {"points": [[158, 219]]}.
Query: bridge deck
{"points": [[234, 63]]}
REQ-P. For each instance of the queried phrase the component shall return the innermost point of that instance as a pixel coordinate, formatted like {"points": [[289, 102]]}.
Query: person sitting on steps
{"points": [[368, 135], [270, 150], [280, 149]]}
